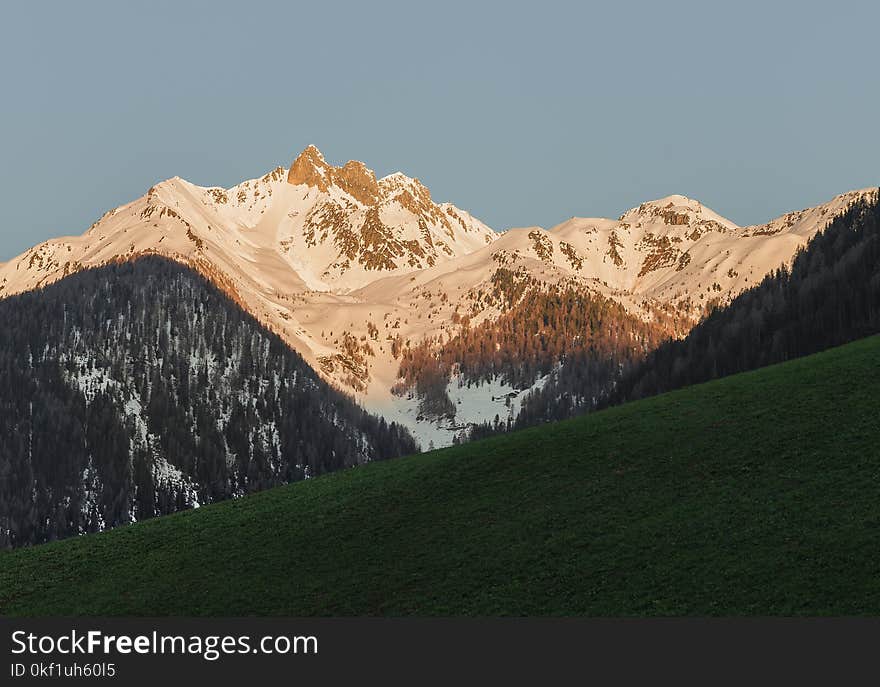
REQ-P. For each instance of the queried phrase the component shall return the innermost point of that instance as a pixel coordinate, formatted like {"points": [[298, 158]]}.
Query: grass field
{"points": [[755, 494]]}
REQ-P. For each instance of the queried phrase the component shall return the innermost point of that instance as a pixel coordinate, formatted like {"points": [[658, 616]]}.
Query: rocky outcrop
{"points": [[365, 221], [358, 181], [355, 178], [310, 169]]}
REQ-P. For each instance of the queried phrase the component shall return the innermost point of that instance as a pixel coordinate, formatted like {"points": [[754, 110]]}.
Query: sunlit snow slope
{"points": [[345, 266]]}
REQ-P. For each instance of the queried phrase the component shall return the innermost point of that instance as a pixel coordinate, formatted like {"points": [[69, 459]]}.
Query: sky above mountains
{"points": [[520, 113]]}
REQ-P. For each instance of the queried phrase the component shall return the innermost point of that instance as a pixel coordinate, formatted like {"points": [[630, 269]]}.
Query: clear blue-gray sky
{"points": [[522, 113]]}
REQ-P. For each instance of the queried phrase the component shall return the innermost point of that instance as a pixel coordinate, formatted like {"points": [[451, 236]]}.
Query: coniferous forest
{"points": [[829, 295], [139, 389], [540, 329]]}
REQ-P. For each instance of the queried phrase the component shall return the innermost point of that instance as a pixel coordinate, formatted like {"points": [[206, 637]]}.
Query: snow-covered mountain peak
{"points": [[395, 178], [398, 181], [349, 268], [675, 210], [311, 231]]}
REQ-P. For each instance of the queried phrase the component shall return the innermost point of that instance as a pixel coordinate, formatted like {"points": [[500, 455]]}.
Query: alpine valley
{"points": [[226, 340]]}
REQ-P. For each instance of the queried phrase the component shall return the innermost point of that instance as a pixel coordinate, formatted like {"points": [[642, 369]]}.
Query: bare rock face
{"points": [[351, 270], [354, 177], [310, 169], [382, 225]]}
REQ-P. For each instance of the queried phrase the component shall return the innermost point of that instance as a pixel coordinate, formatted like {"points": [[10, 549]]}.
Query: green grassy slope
{"points": [[755, 494]]}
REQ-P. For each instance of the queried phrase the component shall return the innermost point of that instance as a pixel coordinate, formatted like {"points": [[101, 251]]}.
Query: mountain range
{"points": [[416, 309]]}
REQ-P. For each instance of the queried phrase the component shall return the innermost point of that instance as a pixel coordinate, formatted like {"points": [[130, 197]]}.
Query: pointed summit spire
{"points": [[310, 169], [354, 177]]}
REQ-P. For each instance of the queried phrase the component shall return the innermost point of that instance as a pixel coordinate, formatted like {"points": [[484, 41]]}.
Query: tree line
{"points": [[828, 296], [540, 328]]}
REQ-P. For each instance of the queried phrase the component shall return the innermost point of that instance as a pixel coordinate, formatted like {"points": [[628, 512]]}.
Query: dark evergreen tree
{"points": [[541, 328], [830, 295], [138, 389]]}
